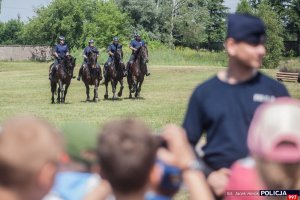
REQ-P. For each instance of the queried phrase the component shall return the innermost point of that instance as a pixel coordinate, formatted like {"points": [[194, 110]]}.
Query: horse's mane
{"points": [[138, 51]]}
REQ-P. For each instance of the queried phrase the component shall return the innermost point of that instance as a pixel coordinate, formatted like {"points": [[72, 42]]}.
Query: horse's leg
{"points": [[53, 88], [58, 92], [62, 98], [113, 87], [121, 88], [129, 82], [66, 90], [106, 91], [96, 91], [87, 89]]}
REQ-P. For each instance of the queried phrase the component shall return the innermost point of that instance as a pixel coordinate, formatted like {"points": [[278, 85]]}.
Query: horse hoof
{"points": [[87, 100], [105, 96], [96, 100], [119, 94]]}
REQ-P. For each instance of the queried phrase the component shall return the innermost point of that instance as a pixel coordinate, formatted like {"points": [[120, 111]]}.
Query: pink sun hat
{"points": [[274, 133]]}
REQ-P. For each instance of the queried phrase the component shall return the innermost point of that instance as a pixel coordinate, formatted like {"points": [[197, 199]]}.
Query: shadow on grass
{"points": [[111, 99], [135, 98]]}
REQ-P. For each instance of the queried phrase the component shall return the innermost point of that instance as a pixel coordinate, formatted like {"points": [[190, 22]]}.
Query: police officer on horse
{"points": [[86, 51], [111, 49], [134, 45], [60, 51]]}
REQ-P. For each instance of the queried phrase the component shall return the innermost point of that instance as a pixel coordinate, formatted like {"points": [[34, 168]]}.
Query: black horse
{"points": [[62, 76], [91, 75], [114, 74], [137, 71]]}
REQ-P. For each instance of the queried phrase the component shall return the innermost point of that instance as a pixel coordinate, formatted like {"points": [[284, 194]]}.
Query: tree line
{"points": [[188, 23]]}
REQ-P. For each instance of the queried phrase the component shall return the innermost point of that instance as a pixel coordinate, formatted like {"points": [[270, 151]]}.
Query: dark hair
{"points": [[126, 151]]}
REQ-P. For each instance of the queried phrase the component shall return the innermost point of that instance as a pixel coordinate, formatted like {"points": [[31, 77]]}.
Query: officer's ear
{"points": [[231, 46]]}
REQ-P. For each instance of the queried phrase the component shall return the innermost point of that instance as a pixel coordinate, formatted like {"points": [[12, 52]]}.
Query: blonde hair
{"points": [[27, 143]]}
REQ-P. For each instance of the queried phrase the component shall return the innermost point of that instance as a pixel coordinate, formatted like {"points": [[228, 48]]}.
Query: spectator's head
{"points": [[127, 151], [274, 142], [29, 153], [245, 40]]}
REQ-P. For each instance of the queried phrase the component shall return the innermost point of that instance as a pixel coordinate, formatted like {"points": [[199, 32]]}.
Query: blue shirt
{"points": [[113, 48], [155, 196], [137, 44], [224, 112], [61, 50], [90, 49]]}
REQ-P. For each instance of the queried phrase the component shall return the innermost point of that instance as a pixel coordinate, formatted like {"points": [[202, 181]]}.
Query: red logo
{"points": [[292, 197]]}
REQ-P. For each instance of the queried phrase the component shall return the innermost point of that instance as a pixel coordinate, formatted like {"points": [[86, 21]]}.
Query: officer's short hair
{"points": [[126, 150]]}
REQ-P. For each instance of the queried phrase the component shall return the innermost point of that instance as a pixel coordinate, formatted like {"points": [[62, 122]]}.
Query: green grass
{"points": [[25, 89]]}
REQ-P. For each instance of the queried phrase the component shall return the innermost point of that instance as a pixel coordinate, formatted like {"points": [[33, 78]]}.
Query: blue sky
{"points": [[11, 8]]}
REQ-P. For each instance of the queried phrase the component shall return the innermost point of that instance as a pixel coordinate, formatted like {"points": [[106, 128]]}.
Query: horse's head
{"points": [[118, 55], [142, 53], [92, 59], [69, 64]]}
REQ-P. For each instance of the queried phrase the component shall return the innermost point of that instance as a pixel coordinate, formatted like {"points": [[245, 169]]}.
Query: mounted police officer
{"points": [[86, 51], [60, 51], [134, 45], [111, 49]]}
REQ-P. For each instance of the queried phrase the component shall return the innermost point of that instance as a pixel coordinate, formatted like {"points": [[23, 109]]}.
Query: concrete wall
{"points": [[26, 52]]}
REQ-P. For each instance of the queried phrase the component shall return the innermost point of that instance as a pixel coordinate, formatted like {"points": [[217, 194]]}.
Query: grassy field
{"points": [[25, 89]]}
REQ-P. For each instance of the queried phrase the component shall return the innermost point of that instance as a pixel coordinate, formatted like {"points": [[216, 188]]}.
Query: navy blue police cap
{"points": [[246, 28]]}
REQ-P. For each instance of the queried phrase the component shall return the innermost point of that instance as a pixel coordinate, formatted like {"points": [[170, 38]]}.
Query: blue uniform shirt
{"points": [[90, 49], [61, 50], [224, 112], [113, 48], [136, 44]]}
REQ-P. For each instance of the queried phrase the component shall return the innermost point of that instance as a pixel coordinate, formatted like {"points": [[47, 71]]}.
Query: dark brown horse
{"points": [[91, 75], [114, 74], [62, 76], [137, 71]]}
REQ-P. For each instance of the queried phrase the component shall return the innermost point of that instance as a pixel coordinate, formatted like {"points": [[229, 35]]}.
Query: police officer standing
{"points": [[134, 45], [111, 49], [224, 105], [86, 51], [60, 51]]}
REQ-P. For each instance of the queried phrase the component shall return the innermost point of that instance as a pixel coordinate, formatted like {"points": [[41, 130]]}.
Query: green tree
{"points": [[274, 27], [106, 23], [78, 21], [216, 28], [294, 21], [10, 32], [61, 17], [244, 7]]}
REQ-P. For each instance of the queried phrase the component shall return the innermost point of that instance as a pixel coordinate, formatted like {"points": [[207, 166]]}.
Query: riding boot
{"points": [[147, 72], [80, 73]]}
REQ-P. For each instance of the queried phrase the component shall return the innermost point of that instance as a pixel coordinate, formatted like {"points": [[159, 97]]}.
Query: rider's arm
{"points": [[131, 46], [109, 51], [67, 53], [84, 53], [55, 52]]}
